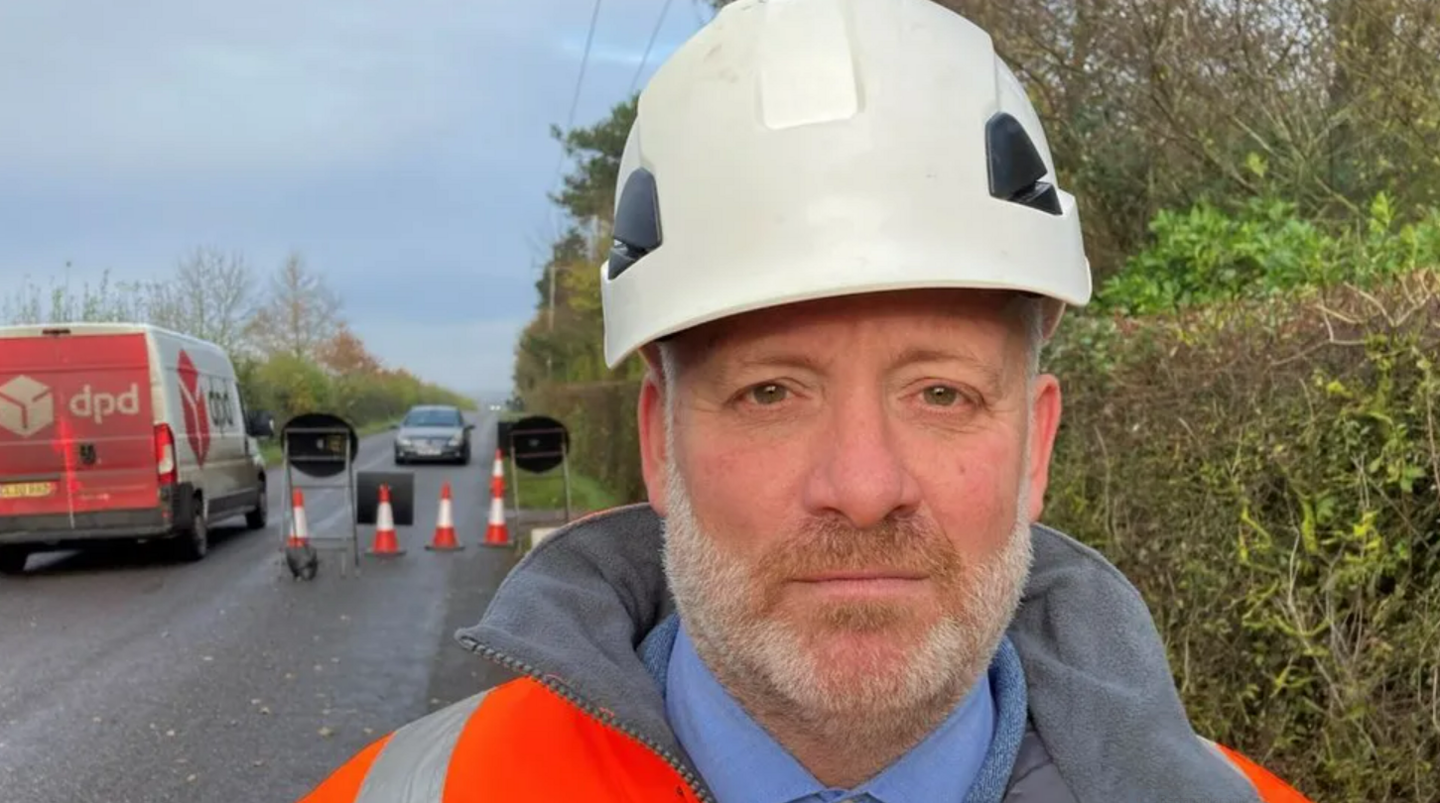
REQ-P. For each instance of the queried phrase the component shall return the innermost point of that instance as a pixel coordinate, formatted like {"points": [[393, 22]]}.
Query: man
{"points": [[839, 247]]}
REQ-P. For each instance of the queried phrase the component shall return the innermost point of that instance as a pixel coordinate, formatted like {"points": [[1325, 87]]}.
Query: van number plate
{"points": [[26, 490]]}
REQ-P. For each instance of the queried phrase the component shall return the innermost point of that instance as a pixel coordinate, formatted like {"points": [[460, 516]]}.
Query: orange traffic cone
{"points": [[497, 474], [299, 529], [386, 545], [445, 526], [300, 557], [496, 533]]}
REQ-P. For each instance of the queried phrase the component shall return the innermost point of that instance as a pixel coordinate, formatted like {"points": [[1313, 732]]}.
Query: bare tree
{"points": [[210, 297], [301, 314], [105, 301], [22, 304]]}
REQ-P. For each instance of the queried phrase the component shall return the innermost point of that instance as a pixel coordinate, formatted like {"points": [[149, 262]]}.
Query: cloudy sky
{"points": [[400, 145]]}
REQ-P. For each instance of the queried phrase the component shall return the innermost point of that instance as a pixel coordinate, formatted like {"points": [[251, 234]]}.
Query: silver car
{"points": [[433, 432]]}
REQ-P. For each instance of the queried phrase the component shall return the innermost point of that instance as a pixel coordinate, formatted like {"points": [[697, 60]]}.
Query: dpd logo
{"points": [[193, 404], [222, 408], [26, 406], [99, 406]]}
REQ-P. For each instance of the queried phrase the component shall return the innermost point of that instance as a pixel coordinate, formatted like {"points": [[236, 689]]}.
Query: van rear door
{"points": [[77, 433]]}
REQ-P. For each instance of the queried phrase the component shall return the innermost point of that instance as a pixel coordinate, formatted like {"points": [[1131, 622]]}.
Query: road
{"points": [[127, 678]]}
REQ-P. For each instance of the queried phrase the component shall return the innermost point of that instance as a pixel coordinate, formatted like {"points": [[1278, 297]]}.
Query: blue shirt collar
{"points": [[742, 763]]}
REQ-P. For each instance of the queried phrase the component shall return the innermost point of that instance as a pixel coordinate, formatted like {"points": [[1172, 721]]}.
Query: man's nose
{"points": [[859, 471]]}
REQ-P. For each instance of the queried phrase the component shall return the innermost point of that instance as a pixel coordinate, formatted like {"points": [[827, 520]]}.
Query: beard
{"points": [[855, 668]]}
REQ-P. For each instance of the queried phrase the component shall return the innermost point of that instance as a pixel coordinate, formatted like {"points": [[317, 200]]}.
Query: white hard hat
{"points": [[800, 149]]}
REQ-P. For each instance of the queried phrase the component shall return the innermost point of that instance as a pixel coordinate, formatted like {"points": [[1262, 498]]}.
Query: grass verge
{"points": [[547, 491]]}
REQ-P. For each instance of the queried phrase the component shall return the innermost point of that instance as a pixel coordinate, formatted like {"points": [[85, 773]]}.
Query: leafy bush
{"points": [[1205, 254], [1266, 472], [288, 385]]}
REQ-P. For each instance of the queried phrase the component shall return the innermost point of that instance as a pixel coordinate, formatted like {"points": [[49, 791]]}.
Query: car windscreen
{"points": [[433, 418]]}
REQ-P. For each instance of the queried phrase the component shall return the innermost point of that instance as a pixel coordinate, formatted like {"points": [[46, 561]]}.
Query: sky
{"points": [[401, 146]]}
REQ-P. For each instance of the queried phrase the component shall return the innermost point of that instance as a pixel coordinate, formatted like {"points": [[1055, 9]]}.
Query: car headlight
{"points": [[403, 441], [455, 440]]}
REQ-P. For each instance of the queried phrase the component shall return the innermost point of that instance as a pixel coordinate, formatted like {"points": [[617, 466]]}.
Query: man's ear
{"points": [[651, 419], [1045, 422]]}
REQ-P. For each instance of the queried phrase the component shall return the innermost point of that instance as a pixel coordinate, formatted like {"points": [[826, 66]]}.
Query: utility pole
{"points": [[550, 267]]}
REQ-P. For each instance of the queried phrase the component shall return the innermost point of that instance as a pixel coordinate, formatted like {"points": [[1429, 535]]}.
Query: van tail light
{"points": [[165, 454]]}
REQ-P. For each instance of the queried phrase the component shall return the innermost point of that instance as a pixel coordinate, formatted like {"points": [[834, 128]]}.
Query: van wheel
{"points": [[13, 558], [193, 542], [257, 518]]}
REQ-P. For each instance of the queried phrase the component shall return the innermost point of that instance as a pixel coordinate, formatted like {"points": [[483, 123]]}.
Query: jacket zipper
{"points": [[691, 782]]}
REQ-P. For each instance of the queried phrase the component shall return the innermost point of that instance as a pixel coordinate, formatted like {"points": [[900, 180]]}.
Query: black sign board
{"points": [[538, 443], [315, 444], [502, 436], [402, 496]]}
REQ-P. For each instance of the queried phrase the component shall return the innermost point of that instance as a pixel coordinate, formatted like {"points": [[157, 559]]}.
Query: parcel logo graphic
{"points": [[192, 404], [26, 406]]}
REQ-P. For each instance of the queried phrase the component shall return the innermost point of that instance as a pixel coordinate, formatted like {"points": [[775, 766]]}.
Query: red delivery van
{"points": [[121, 431]]}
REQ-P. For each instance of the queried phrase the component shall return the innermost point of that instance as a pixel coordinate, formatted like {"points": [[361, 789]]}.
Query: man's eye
{"points": [[769, 393], [943, 396]]}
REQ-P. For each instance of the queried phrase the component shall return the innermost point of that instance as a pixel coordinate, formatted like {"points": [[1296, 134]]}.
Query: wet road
{"points": [[127, 678]]}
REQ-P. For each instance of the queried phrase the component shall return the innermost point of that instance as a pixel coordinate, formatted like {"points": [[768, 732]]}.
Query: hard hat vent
{"points": [[637, 222], [1016, 168]]}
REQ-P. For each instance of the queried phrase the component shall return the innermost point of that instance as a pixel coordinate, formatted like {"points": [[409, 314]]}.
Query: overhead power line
{"points": [[575, 96], [700, 8], [645, 59], [569, 124], [584, 63]]}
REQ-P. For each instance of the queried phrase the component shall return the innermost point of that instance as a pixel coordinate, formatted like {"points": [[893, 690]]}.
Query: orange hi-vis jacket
{"points": [[585, 719]]}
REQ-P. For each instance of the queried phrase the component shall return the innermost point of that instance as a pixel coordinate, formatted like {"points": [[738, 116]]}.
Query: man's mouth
{"points": [[861, 575], [861, 584]]}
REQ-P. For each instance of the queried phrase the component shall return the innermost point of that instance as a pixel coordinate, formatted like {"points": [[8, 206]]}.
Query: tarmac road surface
{"points": [[128, 678]]}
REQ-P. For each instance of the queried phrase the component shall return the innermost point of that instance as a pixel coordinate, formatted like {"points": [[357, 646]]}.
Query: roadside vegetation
{"points": [[1250, 428], [286, 333], [546, 492]]}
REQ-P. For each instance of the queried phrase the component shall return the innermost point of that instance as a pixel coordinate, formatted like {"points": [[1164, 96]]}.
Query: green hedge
{"points": [[1261, 247], [601, 420], [287, 386], [1266, 473]]}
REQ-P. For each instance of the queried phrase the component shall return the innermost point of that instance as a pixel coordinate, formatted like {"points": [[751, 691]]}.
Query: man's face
{"points": [[847, 486]]}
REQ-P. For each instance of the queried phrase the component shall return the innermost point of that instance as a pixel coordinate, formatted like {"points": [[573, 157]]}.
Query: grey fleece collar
{"points": [[1101, 697]]}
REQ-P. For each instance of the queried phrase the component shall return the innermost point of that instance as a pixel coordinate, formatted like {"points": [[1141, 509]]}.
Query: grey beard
{"points": [[767, 665]]}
